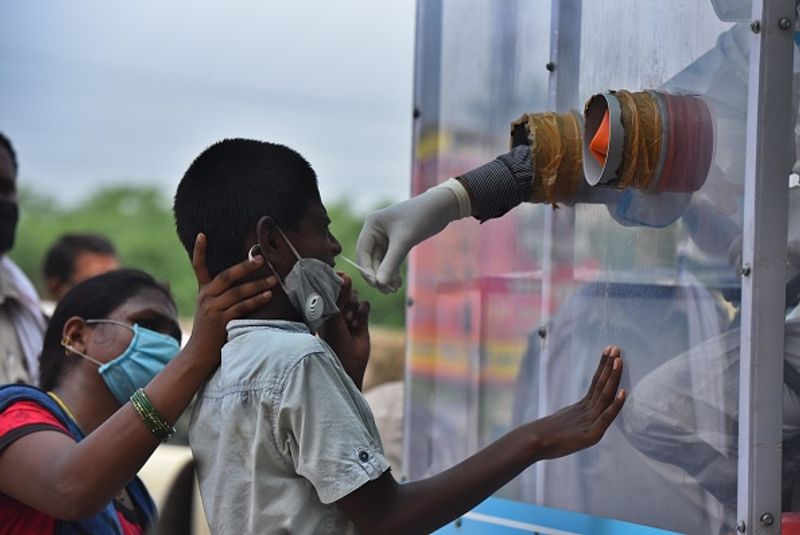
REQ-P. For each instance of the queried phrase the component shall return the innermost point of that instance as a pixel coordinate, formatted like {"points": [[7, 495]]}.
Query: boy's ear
{"points": [[269, 239]]}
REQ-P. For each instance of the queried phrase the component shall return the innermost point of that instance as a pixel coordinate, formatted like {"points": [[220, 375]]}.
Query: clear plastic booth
{"points": [[673, 240]]}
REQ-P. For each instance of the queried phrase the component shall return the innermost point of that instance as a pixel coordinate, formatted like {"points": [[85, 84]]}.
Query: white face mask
{"points": [[312, 286]]}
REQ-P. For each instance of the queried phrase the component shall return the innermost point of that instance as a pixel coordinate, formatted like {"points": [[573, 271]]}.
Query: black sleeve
{"points": [[500, 185]]}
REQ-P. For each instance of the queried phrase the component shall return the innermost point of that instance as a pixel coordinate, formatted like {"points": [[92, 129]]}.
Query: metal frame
{"points": [[767, 169], [427, 101], [564, 67]]}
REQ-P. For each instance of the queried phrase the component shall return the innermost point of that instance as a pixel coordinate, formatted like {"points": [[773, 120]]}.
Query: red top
{"points": [[18, 420]]}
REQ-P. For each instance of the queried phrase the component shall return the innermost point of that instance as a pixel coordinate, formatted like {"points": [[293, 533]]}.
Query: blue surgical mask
{"points": [[147, 354]]}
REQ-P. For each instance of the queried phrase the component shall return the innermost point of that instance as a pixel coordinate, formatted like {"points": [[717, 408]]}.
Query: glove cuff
{"points": [[462, 196]]}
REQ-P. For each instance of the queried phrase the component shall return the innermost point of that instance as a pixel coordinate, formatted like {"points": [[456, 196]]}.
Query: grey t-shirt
{"points": [[280, 433]]}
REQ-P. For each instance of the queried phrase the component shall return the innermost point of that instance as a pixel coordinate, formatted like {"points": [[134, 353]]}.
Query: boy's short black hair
{"points": [[60, 260], [231, 185]]}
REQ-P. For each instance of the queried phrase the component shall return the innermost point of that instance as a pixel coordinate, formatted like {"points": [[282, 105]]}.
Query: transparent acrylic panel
{"points": [[656, 274], [475, 289]]}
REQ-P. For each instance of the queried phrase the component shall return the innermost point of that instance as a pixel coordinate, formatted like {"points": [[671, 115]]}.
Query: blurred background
{"points": [[107, 105]]}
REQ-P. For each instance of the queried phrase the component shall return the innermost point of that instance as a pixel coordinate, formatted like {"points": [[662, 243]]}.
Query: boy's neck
{"points": [[279, 308]]}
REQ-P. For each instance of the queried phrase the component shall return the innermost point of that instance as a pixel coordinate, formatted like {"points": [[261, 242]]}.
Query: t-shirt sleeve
{"points": [[25, 417], [326, 429]]}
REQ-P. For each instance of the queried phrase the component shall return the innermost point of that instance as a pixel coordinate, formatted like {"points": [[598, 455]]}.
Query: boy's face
{"points": [[313, 238]]}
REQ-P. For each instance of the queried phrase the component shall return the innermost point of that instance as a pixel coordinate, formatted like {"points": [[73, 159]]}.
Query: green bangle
{"points": [[150, 416], [156, 423]]}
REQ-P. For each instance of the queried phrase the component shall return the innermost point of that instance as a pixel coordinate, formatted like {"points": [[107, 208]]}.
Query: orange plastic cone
{"points": [[599, 143]]}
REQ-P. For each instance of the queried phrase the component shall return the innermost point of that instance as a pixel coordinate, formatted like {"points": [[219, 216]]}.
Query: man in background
{"points": [[22, 323], [77, 257]]}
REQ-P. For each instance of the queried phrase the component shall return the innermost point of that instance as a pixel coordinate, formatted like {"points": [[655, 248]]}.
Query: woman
{"points": [[70, 451]]}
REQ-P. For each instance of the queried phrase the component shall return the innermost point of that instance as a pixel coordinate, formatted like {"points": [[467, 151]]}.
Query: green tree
{"points": [[139, 222]]}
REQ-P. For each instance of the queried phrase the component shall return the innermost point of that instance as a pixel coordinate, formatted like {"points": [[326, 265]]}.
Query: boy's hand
{"points": [[348, 332], [221, 299], [583, 424]]}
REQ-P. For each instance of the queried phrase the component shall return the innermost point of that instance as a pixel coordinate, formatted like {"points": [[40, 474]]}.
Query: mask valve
{"points": [[314, 307]]}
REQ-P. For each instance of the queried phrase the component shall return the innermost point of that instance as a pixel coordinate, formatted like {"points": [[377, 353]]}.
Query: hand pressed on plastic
{"points": [[348, 332], [223, 299], [583, 424]]}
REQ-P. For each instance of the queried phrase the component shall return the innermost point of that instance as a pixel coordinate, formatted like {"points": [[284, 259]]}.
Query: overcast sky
{"points": [[98, 92]]}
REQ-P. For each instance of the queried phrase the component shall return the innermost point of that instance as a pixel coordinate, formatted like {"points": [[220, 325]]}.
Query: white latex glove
{"points": [[390, 233]]}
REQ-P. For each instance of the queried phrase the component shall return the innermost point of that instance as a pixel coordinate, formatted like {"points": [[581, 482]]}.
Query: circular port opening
{"points": [[602, 140]]}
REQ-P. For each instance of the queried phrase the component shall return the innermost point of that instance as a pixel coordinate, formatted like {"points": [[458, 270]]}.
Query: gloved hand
{"points": [[390, 233]]}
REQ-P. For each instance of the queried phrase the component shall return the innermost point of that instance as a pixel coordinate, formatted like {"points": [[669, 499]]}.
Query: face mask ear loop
{"points": [[84, 355], [115, 322], [251, 254], [290, 244], [68, 347], [280, 280]]}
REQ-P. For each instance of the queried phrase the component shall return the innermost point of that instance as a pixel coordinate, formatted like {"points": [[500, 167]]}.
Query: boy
{"points": [[283, 437]]}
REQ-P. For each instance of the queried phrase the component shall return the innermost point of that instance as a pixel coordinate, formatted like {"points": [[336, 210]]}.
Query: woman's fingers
{"points": [[243, 307], [243, 292], [233, 274], [199, 260]]}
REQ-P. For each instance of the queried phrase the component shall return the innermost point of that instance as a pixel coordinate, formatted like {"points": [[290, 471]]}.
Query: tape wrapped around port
{"points": [[653, 141], [556, 152]]}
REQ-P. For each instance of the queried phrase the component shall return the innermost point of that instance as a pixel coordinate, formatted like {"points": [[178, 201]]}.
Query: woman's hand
{"points": [[48, 471], [223, 299]]}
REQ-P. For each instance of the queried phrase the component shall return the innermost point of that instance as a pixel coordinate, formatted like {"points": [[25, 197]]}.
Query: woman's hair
{"points": [[94, 298]]}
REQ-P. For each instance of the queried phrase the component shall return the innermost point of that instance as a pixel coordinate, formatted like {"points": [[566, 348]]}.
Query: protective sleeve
{"points": [[327, 430], [500, 185]]}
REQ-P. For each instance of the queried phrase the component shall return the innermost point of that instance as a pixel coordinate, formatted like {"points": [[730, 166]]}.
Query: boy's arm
{"points": [[384, 506]]}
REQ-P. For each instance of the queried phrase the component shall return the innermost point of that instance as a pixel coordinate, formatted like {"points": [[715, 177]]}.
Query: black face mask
{"points": [[9, 214]]}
